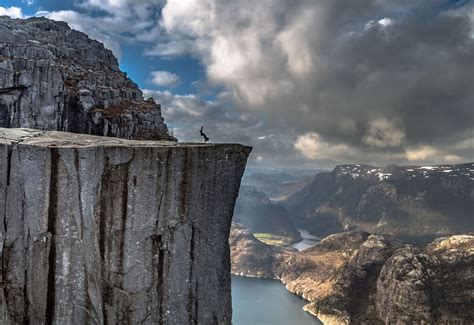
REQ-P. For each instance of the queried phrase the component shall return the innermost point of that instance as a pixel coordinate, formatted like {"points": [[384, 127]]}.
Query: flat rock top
{"points": [[74, 140]]}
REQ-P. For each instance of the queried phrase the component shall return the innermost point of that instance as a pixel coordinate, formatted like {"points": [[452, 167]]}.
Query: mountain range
{"points": [[417, 203]]}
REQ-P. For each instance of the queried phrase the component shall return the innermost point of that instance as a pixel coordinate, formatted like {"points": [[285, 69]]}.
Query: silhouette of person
{"points": [[203, 134]]}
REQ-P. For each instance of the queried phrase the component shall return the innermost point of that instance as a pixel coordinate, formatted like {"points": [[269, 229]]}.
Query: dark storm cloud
{"points": [[318, 81]]}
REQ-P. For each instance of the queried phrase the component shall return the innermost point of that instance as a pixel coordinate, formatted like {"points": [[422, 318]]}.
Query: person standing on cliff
{"points": [[203, 134]]}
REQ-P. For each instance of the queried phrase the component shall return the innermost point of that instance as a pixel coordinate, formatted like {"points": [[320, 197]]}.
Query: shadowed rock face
{"points": [[104, 230], [56, 78], [256, 212]]}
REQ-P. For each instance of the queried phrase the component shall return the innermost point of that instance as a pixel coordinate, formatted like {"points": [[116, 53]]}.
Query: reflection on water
{"points": [[263, 301], [308, 240]]}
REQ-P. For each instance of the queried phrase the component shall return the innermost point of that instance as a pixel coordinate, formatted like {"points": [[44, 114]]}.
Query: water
{"points": [[262, 301], [308, 240]]}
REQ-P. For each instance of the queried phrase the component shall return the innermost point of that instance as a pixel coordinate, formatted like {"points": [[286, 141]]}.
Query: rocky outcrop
{"points": [[253, 258], [56, 78], [111, 231], [358, 278], [431, 286], [416, 203], [256, 212]]}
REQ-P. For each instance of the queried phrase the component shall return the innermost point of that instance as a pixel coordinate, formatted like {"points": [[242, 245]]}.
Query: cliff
{"points": [[358, 278], [105, 230], [56, 78], [418, 203]]}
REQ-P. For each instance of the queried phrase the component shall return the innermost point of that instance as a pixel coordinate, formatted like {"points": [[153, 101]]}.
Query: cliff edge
{"points": [[112, 231]]}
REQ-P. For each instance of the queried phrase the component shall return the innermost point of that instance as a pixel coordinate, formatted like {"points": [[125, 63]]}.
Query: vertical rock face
{"points": [[103, 230], [56, 78]]}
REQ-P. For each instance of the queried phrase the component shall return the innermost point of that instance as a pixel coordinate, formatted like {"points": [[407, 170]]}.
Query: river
{"points": [[308, 240], [263, 301]]}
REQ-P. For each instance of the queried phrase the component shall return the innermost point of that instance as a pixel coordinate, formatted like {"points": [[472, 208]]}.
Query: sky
{"points": [[308, 83]]}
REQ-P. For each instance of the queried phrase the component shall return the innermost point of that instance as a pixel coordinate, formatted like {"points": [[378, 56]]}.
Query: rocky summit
{"points": [[55, 78], [358, 278]]}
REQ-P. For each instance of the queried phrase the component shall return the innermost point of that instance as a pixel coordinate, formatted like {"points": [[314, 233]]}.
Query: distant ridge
{"points": [[417, 202]]}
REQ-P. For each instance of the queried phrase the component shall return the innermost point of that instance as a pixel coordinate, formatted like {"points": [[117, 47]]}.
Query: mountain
{"points": [[358, 278], [55, 78], [415, 202], [256, 212], [277, 186]]}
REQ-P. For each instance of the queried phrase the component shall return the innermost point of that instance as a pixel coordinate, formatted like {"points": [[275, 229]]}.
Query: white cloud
{"points": [[382, 23], [313, 147], [309, 145], [182, 108], [421, 153], [164, 78], [168, 49], [12, 12], [242, 44], [294, 43], [383, 133], [386, 22]]}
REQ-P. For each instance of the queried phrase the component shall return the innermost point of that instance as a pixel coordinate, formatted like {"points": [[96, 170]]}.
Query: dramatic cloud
{"points": [[373, 83], [421, 153], [164, 78], [12, 12], [312, 147], [383, 133], [114, 22], [312, 81]]}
